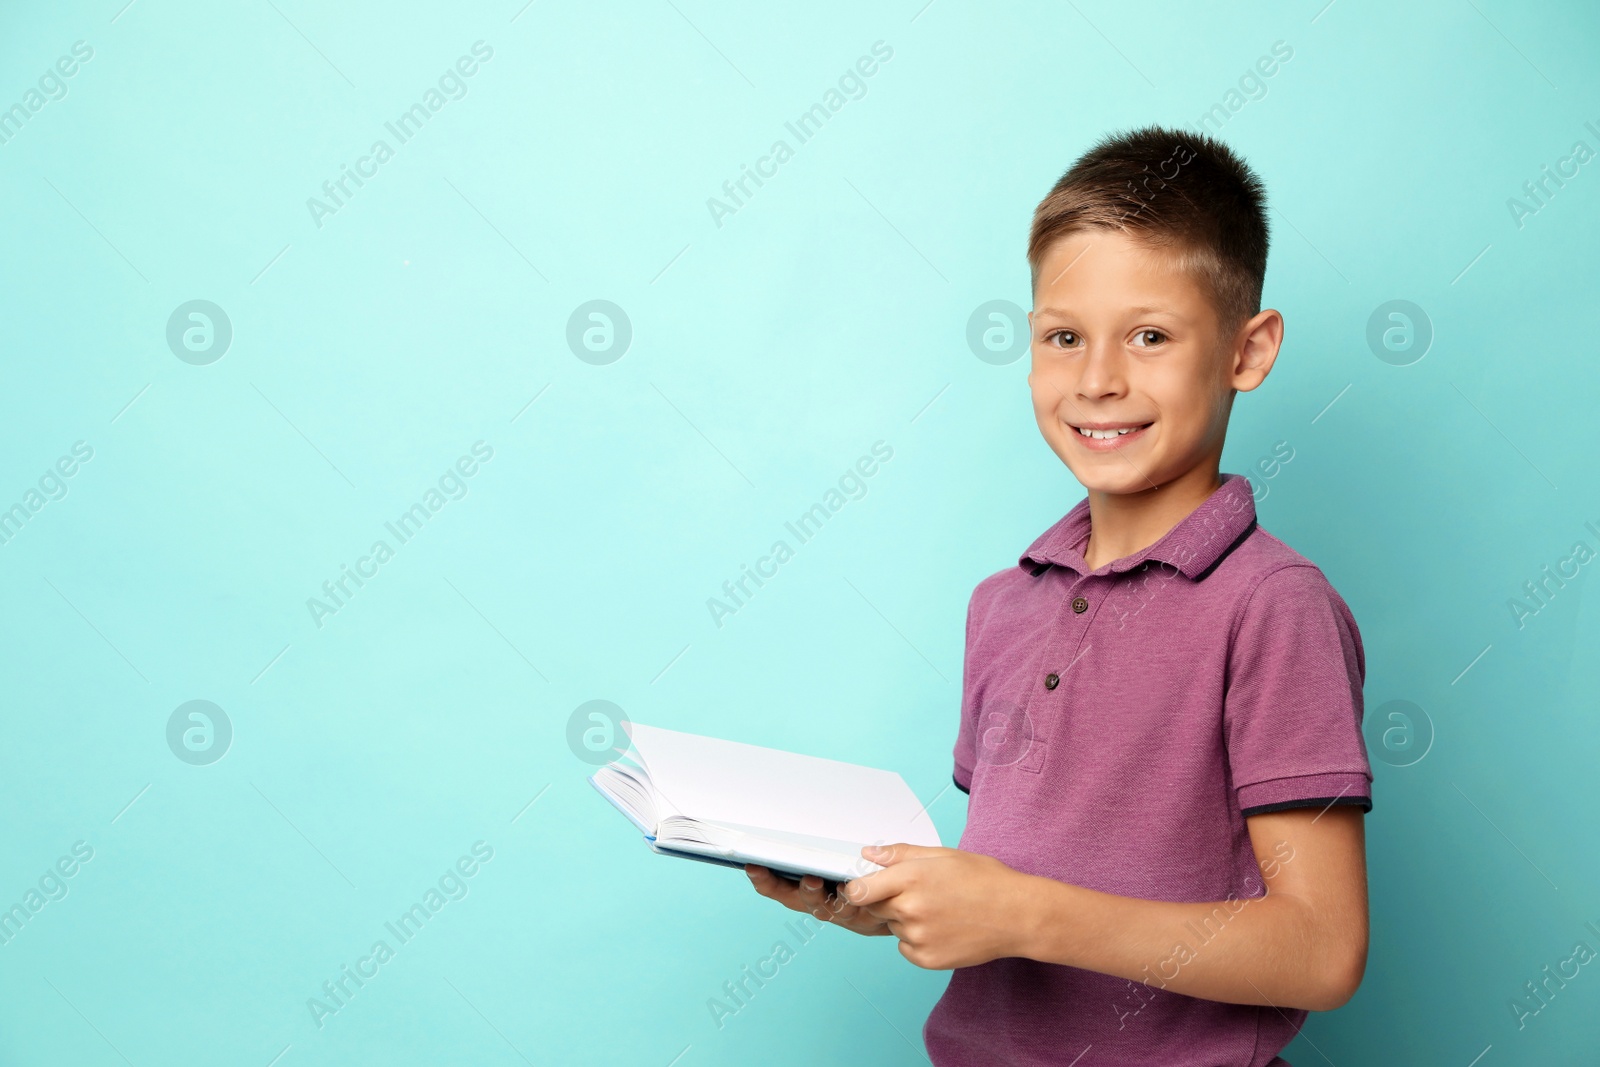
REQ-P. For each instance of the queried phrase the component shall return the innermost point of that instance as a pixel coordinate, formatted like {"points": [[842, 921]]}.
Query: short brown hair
{"points": [[1179, 192]]}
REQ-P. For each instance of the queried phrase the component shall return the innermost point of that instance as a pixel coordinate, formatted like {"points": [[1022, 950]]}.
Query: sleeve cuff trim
{"points": [[1328, 784], [1365, 803]]}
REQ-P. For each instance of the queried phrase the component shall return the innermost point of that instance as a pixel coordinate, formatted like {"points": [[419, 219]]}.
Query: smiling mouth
{"points": [[1111, 431]]}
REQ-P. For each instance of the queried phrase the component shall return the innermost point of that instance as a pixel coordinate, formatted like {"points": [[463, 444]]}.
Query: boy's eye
{"points": [[1068, 338], [1149, 337]]}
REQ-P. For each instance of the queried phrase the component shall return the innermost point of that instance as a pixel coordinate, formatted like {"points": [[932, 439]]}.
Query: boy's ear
{"points": [[1256, 349]]}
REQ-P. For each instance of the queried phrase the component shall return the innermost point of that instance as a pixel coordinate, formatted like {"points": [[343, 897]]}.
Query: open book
{"points": [[730, 803]]}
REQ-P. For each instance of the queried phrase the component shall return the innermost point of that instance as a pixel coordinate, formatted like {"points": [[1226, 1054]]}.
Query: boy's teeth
{"points": [[1104, 435]]}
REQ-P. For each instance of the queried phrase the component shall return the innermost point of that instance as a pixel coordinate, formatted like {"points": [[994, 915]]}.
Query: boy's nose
{"points": [[1102, 374]]}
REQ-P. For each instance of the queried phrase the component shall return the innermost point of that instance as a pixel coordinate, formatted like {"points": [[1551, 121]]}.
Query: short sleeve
{"points": [[1292, 713], [966, 750]]}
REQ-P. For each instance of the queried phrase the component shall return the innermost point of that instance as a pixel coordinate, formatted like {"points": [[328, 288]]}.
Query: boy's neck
{"points": [[1121, 524]]}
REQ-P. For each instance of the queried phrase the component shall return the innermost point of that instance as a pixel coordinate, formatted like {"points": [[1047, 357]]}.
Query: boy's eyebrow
{"points": [[1142, 309]]}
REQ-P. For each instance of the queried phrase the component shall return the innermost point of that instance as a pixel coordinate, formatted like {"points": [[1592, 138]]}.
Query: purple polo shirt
{"points": [[1117, 727]]}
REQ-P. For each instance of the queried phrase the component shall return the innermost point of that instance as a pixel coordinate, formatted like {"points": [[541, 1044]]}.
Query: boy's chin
{"points": [[1112, 475], [1115, 486]]}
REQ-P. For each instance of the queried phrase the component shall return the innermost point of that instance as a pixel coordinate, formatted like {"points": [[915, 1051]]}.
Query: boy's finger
{"points": [[873, 888], [898, 852], [770, 885], [815, 900], [813, 894], [883, 911]]}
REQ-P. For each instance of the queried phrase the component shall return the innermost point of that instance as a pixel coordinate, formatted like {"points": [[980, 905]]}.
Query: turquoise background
{"points": [[767, 354]]}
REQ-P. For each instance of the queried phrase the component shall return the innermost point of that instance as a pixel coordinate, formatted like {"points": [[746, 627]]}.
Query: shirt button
{"points": [[1080, 605], [1052, 680]]}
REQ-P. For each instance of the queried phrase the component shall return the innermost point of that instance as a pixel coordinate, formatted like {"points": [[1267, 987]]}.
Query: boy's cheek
{"points": [[1047, 392], [1043, 413]]}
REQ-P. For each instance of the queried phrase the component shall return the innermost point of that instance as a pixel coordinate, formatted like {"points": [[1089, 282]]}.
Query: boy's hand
{"points": [[948, 908], [812, 897]]}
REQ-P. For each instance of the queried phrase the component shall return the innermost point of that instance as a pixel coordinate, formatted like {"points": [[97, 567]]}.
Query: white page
{"points": [[742, 785]]}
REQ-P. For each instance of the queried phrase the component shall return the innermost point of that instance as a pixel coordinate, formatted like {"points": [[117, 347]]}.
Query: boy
{"points": [[1163, 861]]}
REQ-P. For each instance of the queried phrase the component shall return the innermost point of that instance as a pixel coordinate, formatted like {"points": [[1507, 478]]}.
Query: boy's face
{"points": [[1124, 339]]}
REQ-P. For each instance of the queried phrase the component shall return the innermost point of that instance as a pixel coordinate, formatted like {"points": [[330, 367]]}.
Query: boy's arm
{"points": [[1302, 945]]}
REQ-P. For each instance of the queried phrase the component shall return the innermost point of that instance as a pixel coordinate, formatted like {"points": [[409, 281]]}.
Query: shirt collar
{"points": [[1197, 542]]}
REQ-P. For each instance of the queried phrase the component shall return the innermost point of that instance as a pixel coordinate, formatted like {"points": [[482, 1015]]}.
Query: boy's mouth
{"points": [[1104, 436]]}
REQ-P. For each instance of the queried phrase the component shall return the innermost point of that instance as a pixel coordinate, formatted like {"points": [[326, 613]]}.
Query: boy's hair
{"points": [[1178, 192]]}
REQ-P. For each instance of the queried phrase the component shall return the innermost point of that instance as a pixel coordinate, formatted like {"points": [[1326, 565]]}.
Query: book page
{"points": [[751, 787]]}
